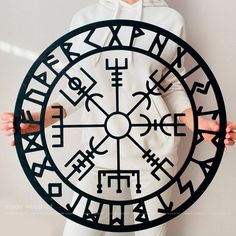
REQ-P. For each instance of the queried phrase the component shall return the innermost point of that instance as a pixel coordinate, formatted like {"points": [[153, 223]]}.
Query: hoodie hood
{"points": [[117, 5], [138, 6], [145, 3], [156, 3]]}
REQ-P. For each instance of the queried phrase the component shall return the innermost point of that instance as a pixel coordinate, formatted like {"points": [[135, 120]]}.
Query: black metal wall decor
{"points": [[54, 169]]}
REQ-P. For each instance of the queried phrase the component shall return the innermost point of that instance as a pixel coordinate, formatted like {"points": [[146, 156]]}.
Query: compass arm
{"points": [[50, 114], [203, 123], [175, 96], [188, 118], [30, 122]]}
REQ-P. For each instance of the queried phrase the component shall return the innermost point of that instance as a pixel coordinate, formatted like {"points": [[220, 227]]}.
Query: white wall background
{"points": [[33, 25]]}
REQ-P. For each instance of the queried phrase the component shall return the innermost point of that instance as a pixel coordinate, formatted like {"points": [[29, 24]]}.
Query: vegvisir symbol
{"points": [[55, 168], [82, 163]]}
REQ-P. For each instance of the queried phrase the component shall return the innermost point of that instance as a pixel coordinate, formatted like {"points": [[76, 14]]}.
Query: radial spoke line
{"points": [[136, 143], [103, 140], [118, 155], [138, 103], [85, 93], [97, 105], [148, 93], [93, 150], [79, 126], [152, 160], [117, 99], [153, 125]]}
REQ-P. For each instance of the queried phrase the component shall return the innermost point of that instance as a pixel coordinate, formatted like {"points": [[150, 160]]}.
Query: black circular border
{"points": [[219, 152]]}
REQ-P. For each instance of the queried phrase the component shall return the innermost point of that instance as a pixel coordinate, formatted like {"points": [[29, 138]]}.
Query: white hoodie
{"points": [[175, 100]]}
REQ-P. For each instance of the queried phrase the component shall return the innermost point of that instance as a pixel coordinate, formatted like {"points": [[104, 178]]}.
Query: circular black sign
{"points": [[73, 158]]}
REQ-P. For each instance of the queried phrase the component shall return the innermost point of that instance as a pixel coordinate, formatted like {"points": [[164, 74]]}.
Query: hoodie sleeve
{"points": [[76, 21], [176, 98]]}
